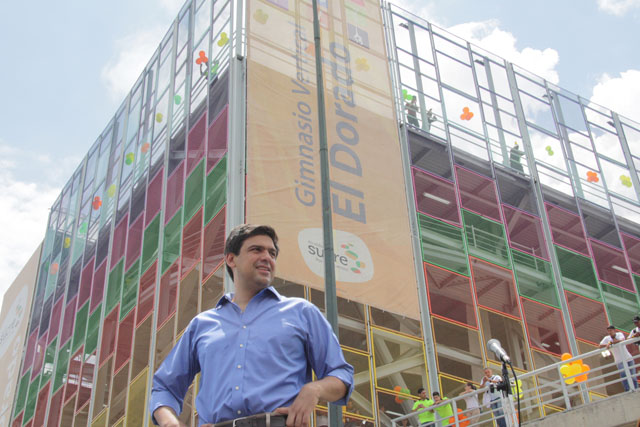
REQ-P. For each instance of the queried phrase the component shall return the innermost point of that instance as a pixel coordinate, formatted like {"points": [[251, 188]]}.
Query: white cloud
{"points": [[618, 7], [490, 37], [621, 93], [24, 210]]}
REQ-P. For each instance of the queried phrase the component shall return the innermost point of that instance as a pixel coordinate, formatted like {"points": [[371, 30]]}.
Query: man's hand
{"points": [[166, 417], [299, 413]]}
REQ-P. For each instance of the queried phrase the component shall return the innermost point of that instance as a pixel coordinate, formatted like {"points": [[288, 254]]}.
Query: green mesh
{"points": [[534, 278], [578, 274], [443, 245], [486, 239]]}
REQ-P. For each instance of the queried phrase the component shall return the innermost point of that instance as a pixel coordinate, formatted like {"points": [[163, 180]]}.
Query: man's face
{"points": [[612, 333], [637, 323], [436, 398], [487, 372], [423, 394], [255, 264]]}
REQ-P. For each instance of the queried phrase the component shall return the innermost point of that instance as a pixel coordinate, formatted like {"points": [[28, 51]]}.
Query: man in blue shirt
{"points": [[255, 350]]}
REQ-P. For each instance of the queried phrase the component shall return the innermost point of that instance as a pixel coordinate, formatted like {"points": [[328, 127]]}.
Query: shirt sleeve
{"points": [[324, 352], [174, 376], [606, 340]]}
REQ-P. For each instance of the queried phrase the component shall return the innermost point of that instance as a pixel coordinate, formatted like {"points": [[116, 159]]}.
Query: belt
{"points": [[259, 420]]}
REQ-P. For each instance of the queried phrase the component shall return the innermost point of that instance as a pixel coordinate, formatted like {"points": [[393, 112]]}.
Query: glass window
{"points": [[611, 265], [136, 400], [621, 306], [525, 232], [443, 245], [632, 246], [217, 139], [216, 190], [108, 340], [124, 342], [214, 238], [150, 245], [395, 322], [478, 193], [458, 350], [534, 278], [599, 223], [399, 360], [435, 196], [566, 229], [360, 402], [588, 317], [511, 335], [191, 244], [429, 155], [450, 296], [129, 290], [188, 298], [173, 199], [494, 287], [114, 286], [578, 274], [171, 242], [141, 346], [516, 191], [193, 191], [545, 327], [486, 239], [168, 291]]}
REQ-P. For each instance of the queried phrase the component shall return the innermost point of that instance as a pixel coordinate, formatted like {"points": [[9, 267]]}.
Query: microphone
{"points": [[495, 346]]}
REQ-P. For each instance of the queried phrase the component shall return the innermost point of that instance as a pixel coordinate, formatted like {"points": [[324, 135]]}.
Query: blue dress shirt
{"points": [[250, 362]]}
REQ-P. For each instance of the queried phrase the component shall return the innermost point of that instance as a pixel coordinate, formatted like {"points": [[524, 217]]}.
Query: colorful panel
{"points": [[545, 327], [611, 265], [97, 286], [534, 277], [510, 332], [567, 229], [154, 197], [577, 274], [134, 241], [217, 139], [216, 191], [171, 241], [147, 294], [191, 243], [486, 239], [525, 232], [193, 191], [443, 245], [435, 196], [195, 143], [458, 349], [632, 246], [478, 193], [168, 291], [213, 251], [621, 306], [494, 287], [588, 318], [173, 196], [450, 295]]}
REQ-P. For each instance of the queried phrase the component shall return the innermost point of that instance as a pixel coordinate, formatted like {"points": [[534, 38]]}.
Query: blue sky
{"points": [[67, 66]]}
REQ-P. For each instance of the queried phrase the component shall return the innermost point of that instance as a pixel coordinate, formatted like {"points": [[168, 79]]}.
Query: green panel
{"points": [[486, 239], [62, 366], [114, 286], [578, 274], [93, 327], [79, 241], [534, 278], [193, 192], [48, 361], [80, 327], [21, 397], [150, 244], [32, 397], [216, 190], [443, 245], [621, 306], [130, 289], [636, 280], [171, 242]]}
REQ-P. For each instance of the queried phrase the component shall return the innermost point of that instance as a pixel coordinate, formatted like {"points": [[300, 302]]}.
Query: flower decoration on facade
{"points": [[466, 114], [260, 16], [549, 150], [177, 99], [159, 117], [399, 389], [625, 180], [67, 242], [82, 229], [111, 191], [202, 58], [406, 95], [224, 39], [97, 202], [54, 268], [575, 371], [592, 177], [129, 158], [145, 147]]}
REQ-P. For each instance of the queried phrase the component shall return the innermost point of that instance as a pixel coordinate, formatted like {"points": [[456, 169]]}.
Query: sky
{"points": [[68, 65]]}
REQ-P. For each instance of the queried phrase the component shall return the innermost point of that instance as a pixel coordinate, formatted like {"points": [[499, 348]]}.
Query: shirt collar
{"points": [[268, 291]]}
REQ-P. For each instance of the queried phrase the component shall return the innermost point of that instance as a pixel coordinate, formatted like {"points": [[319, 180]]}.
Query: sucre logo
{"points": [[352, 258]]}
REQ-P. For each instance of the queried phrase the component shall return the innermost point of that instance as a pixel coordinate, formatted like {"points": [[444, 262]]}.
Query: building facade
{"points": [[471, 200]]}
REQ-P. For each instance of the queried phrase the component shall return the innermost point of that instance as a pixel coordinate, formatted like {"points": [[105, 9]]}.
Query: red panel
{"points": [[18, 421], [495, 288], [435, 196], [525, 232], [154, 197], [55, 408], [588, 317], [567, 229], [85, 282], [56, 314], [75, 367], [632, 245], [97, 289], [191, 244], [478, 193], [134, 242], [168, 292], [214, 237], [545, 327], [38, 357], [28, 356], [109, 329], [69, 319], [147, 294], [41, 408], [119, 240], [88, 367], [611, 265], [175, 187], [195, 143], [217, 139], [450, 295], [125, 338]]}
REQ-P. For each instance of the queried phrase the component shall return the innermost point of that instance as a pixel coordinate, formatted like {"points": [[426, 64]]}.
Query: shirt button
{"points": [[239, 366], [244, 326], [241, 345], [237, 388], [239, 412]]}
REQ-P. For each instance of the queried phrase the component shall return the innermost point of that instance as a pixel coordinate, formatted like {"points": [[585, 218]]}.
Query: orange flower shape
{"points": [[145, 147], [54, 268], [592, 177], [466, 114], [97, 202], [202, 59]]}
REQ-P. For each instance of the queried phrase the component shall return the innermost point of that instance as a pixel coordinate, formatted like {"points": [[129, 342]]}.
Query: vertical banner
{"points": [[14, 320], [373, 251]]}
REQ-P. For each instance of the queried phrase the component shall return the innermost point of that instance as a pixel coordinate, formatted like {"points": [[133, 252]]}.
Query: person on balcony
{"points": [[620, 354]]}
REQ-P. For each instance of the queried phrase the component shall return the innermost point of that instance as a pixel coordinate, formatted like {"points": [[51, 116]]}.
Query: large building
{"points": [[471, 200]]}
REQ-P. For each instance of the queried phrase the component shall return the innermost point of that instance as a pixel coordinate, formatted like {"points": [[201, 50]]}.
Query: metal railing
{"points": [[543, 391]]}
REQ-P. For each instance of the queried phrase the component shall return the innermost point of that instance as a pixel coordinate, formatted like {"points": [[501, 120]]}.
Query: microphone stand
{"points": [[512, 419]]}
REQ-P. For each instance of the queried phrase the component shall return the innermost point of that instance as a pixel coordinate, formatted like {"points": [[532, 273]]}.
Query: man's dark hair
{"points": [[420, 390], [472, 385], [611, 327], [435, 393], [239, 234]]}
